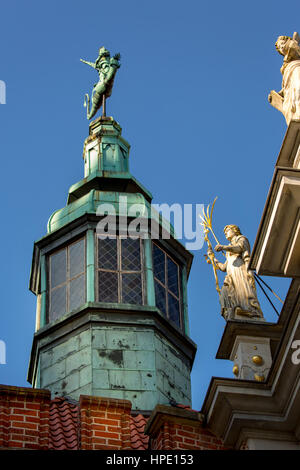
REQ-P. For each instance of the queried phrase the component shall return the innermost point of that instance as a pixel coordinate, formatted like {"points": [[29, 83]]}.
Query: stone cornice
{"points": [[232, 405]]}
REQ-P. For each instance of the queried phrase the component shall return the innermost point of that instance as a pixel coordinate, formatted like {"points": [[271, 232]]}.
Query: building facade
{"points": [[111, 357], [264, 413]]}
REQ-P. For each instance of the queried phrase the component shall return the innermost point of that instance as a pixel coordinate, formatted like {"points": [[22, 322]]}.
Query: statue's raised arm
{"points": [[92, 64], [287, 100], [106, 66]]}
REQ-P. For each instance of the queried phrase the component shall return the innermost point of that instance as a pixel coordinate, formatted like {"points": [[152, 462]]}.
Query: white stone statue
{"points": [[238, 294], [287, 100]]}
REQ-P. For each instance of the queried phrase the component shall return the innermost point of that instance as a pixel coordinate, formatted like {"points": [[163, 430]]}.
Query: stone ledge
{"points": [[236, 328], [24, 392], [171, 414], [88, 401], [290, 145], [274, 255]]}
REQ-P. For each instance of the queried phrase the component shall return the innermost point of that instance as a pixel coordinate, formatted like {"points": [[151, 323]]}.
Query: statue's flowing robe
{"points": [[291, 87], [238, 294]]}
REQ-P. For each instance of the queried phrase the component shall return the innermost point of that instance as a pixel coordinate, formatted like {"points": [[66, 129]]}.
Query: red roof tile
{"points": [[63, 425], [185, 407], [139, 441]]}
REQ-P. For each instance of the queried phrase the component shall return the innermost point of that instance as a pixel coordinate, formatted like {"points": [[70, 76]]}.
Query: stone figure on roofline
{"points": [[238, 294], [287, 100]]}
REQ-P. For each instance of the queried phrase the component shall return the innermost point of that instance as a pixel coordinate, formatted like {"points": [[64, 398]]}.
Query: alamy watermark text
{"points": [[2, 92], [296, 353], [2, 352], [152, 221]]}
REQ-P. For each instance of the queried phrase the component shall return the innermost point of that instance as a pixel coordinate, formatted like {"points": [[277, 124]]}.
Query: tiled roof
{"points": [[139, 441], [185, 407], [63, 425], [29, 419]]}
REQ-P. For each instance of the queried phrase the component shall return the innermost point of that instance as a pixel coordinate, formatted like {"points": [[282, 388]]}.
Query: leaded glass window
{"points": [[66, 279], [119, 268], [167, 285]]}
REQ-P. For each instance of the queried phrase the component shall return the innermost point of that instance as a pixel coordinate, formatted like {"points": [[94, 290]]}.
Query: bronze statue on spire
{"points": [[106, 66]]}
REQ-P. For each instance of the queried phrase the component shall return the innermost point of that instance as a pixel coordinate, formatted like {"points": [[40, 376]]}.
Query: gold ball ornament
{"points": [[259, 378], [258, 360]]}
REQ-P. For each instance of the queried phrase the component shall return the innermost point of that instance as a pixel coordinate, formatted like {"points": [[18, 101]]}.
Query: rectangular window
{"points": [[167, 275], [66, 279], [119, 270]]}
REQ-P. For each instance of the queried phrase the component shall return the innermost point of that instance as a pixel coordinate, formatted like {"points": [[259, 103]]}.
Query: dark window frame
{"points": [[69, 279], [119, 271], [166, 287]]}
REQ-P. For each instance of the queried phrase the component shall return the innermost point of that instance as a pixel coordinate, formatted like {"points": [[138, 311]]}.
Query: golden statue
{"points": [[238, 295]]}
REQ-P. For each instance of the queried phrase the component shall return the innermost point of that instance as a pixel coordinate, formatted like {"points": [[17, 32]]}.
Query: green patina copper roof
{"points": [[89, 204], [112, 204], [107, 181]]}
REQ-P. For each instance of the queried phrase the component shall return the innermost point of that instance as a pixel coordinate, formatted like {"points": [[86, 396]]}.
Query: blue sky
{"points": [[191, 97]]}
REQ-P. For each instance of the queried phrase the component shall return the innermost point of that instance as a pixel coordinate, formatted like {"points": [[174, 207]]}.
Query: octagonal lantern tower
{"points": [[112, 316]]}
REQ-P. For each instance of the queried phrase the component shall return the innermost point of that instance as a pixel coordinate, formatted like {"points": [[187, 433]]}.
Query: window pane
{"points": [[159, 263], [76, 257], [108, 286], [160, 297], [132, 288], [131, 257], [173, 277], [173, 309], [58, 268], [77, 292], [57, 303], [107, 254]]}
